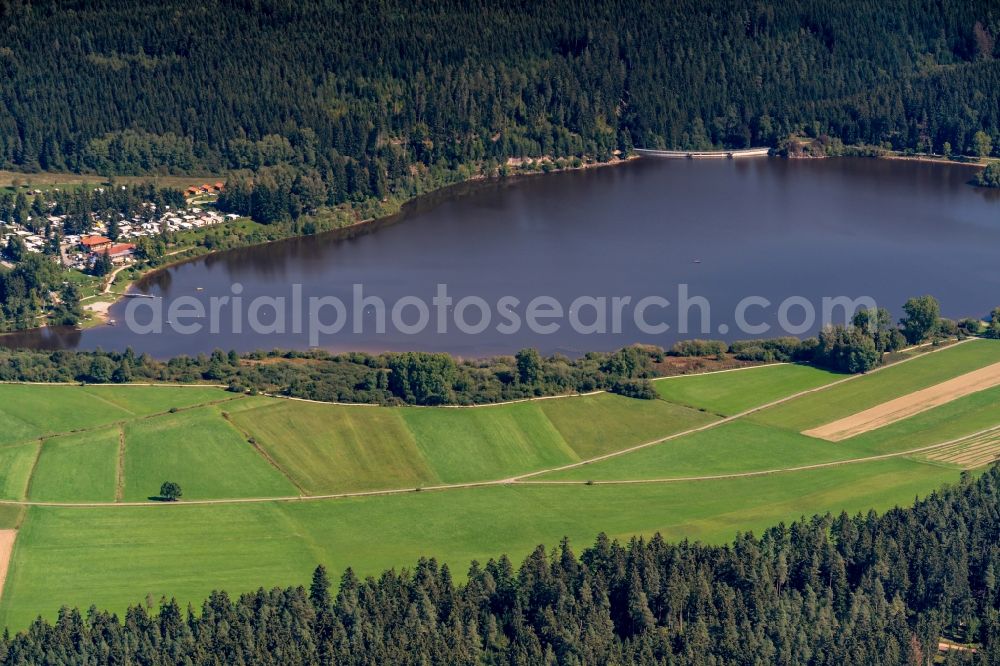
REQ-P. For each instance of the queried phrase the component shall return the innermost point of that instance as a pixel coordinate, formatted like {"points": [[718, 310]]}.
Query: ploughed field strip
{"points": [[908, 405], [6, 548], [969, 453]]}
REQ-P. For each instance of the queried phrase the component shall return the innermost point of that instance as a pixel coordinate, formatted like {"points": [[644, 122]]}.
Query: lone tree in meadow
{"points": [[170, 491]]}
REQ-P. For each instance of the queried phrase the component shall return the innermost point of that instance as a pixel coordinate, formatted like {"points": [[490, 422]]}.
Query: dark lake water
{"points": [[729, 230]]}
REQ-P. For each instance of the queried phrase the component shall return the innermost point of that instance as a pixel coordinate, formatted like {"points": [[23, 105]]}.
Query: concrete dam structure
{"points": [[704, 154]]}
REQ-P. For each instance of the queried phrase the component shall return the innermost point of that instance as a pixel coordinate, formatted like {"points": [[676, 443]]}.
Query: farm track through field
{"points": [[524, 479]]}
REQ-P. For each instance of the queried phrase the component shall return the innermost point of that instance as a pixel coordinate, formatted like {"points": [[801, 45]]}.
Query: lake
{"points": [[702, 234]]}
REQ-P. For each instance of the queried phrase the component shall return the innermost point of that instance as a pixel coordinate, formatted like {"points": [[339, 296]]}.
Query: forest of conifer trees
{"points": [[327, 101]]}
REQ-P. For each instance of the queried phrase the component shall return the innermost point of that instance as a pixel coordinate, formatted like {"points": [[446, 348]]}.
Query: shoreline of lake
{"points": [[354, 229], [455, 234]]}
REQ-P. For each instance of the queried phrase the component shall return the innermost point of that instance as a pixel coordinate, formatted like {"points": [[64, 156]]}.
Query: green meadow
{"points": [[751, 445], [488, 442], [741, 390], [598, 424], [30, 412], [730, 448], [330, 448], [16, 462], [10, 516], [89, 453], [33, 411], [141, 402], [327, 449], [200, 451], [959, 418], [78, 468]]}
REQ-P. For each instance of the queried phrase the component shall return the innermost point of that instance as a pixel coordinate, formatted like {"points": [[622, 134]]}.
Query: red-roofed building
{"points": [[219, 186], [95, 243], [120, 252]]}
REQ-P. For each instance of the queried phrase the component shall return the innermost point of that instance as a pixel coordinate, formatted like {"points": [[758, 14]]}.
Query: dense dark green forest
{"points": [[829, 590], [324, 101]]}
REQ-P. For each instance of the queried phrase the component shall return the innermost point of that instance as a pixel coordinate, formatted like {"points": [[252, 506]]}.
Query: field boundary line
{"points": [[34, 468], [740, 369], [119, 422], [278, 396], [23, 442], [101, 398], [252, 441], [120, 469], [519, 401]]}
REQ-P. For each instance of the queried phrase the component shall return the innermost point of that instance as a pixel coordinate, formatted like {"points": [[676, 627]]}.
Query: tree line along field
{"points": [[97, 453]]}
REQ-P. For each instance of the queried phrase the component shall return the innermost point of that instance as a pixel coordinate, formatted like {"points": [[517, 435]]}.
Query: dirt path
{"points": [[945, 646], [6, 548], [908, 405], [111, 277]]}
